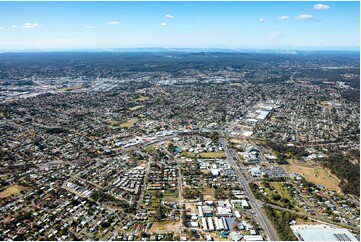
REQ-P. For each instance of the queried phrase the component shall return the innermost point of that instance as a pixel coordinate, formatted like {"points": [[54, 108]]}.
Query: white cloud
{"points": [[113, 22], [261, 19], [169, 16], [321, 6], [14, 26], [1, 28], [283, 17], [163, 24], [89, 27], [31, 25], [304, 17]]}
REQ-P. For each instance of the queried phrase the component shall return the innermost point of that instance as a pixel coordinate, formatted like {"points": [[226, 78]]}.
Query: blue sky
{"points": [[255, 25]]}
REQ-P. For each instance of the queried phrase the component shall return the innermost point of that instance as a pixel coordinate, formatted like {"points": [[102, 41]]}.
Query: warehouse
{"points": [[210, 224], [322, 233], [204, 224]]}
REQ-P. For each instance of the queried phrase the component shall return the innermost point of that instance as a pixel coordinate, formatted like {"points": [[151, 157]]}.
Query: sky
{"points": [[241, 25]]}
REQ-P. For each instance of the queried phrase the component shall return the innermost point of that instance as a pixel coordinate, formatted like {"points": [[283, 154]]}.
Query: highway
{"points": [[266, 225]]}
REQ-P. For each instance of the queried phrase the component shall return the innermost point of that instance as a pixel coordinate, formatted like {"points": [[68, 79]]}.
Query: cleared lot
{"points": [[12, 190], [212, 155], [317, 175]]}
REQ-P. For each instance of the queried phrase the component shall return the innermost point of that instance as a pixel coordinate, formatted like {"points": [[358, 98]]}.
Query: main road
{"points": [[266, 225]]}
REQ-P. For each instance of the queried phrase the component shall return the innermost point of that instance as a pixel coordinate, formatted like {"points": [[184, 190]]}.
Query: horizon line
{"points": [[188, 49]]}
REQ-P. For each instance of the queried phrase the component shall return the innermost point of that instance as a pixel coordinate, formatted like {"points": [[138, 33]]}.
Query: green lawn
{"points": [[282, 191], [171, 194]]}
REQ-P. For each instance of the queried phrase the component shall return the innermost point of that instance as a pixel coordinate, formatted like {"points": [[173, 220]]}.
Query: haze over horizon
{"points": [[41, 26], [179, 121]]}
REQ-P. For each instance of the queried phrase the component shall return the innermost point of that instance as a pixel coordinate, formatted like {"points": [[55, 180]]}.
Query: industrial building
{"points": [[322, 233]]}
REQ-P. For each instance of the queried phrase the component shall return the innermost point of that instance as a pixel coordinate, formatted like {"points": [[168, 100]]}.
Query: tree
{"points": [[159, 213], [184, 218]]}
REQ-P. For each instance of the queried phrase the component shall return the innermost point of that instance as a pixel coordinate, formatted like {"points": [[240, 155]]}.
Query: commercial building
{"points": [[322, 233]]}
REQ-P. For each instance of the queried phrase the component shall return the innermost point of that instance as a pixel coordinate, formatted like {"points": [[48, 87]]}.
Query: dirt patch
{"points": [[191, 207], [165, 225], [215, 236], [12, 190], [208, 194], [169, 199], [130, 123], [317, 175], [212, 155], [127, 124], [142, 99], [136, 107], [143, 163], [235, 141]]}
